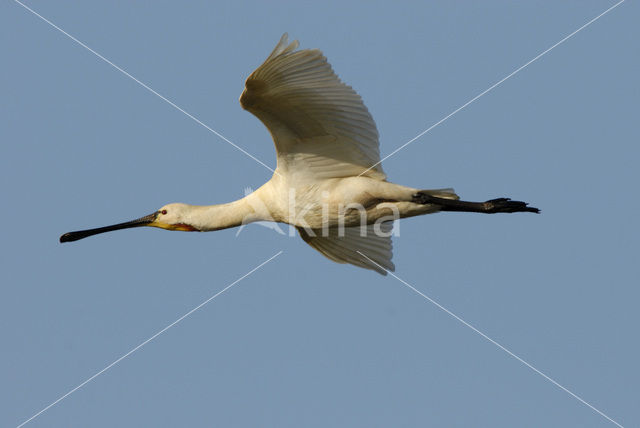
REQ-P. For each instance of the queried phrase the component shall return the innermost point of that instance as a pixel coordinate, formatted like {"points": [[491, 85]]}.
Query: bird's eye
{"points": [[163, 212]]}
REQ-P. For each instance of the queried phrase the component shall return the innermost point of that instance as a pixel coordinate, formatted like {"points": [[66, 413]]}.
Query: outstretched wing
{"points": [[356, 243], [320, 126]]}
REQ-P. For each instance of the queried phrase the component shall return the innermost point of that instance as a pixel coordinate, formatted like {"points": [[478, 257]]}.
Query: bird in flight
{"points": [[329, 181]]}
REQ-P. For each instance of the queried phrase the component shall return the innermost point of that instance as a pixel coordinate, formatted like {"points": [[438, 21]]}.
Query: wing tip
{"points": [[283, 46], [382, 267], [253, 85]]}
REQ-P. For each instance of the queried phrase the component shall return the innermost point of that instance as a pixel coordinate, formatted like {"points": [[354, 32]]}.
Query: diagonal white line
{"points": [[150, 339], [491, 340], [171, 103], [491, 87]]}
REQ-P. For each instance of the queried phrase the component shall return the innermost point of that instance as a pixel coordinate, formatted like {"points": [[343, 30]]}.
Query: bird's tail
{"points": [[447, 193]]}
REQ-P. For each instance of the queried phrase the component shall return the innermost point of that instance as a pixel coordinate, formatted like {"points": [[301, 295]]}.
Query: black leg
{"points": [[500, 205]]}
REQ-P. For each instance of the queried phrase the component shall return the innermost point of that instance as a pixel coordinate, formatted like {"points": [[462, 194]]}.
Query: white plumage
{"points": [[320, 126], [328, 181]]}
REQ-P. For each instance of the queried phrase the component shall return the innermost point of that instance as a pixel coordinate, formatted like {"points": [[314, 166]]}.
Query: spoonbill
{"points": [[328, 181]]}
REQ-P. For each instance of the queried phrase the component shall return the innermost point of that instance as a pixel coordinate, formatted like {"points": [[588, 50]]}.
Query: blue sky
{"points": [[303, 341]]}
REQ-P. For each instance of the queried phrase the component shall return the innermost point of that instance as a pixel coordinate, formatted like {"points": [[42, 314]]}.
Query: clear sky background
{"points": [[304, 341]]}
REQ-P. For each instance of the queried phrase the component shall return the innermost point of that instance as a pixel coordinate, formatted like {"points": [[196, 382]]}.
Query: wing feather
{"points": [[305, 105], [355, 242]]}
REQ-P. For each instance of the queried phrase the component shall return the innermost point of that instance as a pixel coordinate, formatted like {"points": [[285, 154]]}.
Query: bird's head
{"points": [[171, 217], [174, 217]]}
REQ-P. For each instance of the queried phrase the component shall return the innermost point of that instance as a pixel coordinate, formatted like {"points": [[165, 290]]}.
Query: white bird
{"points": [[328, 181]]}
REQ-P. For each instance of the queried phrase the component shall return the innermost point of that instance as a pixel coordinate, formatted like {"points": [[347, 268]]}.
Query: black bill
{"points": [[80, 234]]}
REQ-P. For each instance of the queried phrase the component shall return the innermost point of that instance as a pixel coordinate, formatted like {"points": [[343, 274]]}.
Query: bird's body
{"points": [[327, 204], [328, 181]]}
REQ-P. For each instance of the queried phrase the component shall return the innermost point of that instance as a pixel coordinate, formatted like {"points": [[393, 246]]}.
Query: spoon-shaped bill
{"points": [[80, 234]]}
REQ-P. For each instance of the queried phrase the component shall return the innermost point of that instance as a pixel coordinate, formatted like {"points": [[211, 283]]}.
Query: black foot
{"points": [[500, 205], [506, 205]]}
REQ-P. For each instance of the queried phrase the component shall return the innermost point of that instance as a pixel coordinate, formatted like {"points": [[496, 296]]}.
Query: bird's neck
{"points": [[223, 216]]}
